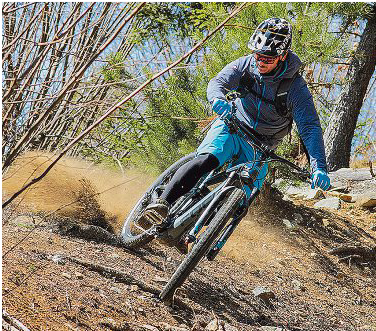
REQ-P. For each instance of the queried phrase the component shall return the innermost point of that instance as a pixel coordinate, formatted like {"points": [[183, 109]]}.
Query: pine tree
{"points": [[340, 131]]}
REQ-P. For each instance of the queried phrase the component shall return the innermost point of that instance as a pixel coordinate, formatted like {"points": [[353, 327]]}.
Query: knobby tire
{"points": [[203, 245], [135, 241]]}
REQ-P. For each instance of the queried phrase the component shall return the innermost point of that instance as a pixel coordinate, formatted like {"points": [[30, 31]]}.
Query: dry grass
{"points": [[364, 163], [364, 155]]}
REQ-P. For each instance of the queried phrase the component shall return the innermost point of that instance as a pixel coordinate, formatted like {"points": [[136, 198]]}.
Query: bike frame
{"points": [[209, 202]]}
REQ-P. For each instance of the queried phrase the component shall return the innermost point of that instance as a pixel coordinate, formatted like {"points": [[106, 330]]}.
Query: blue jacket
{"points": [[262, 116]]}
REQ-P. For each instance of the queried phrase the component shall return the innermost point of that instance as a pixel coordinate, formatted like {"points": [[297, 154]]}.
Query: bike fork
{"points": [[213, 252], [191, 236]]}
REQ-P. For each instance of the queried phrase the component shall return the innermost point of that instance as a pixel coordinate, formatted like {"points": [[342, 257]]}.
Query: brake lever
{"points": [[230, 121]]}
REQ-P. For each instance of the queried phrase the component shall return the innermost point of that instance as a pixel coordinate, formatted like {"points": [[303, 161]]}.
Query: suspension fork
{"points": [[227, 187], [249, 179], [191, 236], [239, 214]]}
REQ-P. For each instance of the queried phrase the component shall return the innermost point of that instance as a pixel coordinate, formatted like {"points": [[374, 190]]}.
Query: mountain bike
{"points": [[208, 214]]}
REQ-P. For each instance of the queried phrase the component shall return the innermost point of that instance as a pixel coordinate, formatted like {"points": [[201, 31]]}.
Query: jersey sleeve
{"points": [[226, 80], [308, 123]]}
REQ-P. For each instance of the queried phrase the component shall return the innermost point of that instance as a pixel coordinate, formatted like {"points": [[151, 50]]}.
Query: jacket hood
{"points": [[285, 69]]}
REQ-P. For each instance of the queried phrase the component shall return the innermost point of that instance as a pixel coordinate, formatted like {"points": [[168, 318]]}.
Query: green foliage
{"points": [[291, 149], [348, 12], [165, 129], [171, 115], [161, 21], [114, 70], [116, 138]]}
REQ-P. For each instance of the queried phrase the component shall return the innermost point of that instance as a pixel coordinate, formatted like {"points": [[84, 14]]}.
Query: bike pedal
{"points": [[144, 223], [154, 217]]}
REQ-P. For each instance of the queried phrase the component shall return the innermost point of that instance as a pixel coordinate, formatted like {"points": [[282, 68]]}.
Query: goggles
{"points": [[265, 59]]}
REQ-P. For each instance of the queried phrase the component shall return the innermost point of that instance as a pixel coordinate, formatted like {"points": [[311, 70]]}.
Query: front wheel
{"points": [[203, 245], [135, 234]]}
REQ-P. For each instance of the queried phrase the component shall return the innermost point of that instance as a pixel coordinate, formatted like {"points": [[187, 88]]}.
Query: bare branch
{"points": [[111, 110], [22, 32], [15, 151]]}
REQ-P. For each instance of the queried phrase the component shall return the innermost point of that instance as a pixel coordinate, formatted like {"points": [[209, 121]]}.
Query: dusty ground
{"points": [[50, 282]]}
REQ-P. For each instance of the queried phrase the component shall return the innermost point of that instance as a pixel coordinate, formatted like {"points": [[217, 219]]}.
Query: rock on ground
{"points": [[330, 203]]}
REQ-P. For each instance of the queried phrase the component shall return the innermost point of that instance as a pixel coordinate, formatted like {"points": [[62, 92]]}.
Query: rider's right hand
{"points": [[221, 107]]}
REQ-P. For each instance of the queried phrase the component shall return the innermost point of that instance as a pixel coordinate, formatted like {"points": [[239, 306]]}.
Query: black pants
{"points": [[187, 176]]}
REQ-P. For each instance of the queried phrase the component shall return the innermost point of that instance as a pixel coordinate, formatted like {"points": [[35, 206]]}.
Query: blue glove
{"points": [[320, 179], [222, 107]]}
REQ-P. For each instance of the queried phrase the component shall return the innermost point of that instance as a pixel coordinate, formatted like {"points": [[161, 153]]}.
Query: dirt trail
{"points": [[47, 286]]}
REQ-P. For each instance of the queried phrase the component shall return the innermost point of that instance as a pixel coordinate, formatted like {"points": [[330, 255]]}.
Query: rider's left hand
{"points": [[320, 179]]}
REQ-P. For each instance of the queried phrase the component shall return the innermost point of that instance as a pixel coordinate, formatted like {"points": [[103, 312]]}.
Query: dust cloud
{"points": [[117, 192]]}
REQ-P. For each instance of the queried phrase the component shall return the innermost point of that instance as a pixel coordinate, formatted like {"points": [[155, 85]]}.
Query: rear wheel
{"points": [[135, 232], [199, 250]]}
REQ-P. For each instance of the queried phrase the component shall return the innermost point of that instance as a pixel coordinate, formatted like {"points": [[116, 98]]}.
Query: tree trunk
{"points": [[340, 131]]}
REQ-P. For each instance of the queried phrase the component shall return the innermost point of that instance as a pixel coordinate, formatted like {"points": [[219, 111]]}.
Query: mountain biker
{"points": [[271, 61]]}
